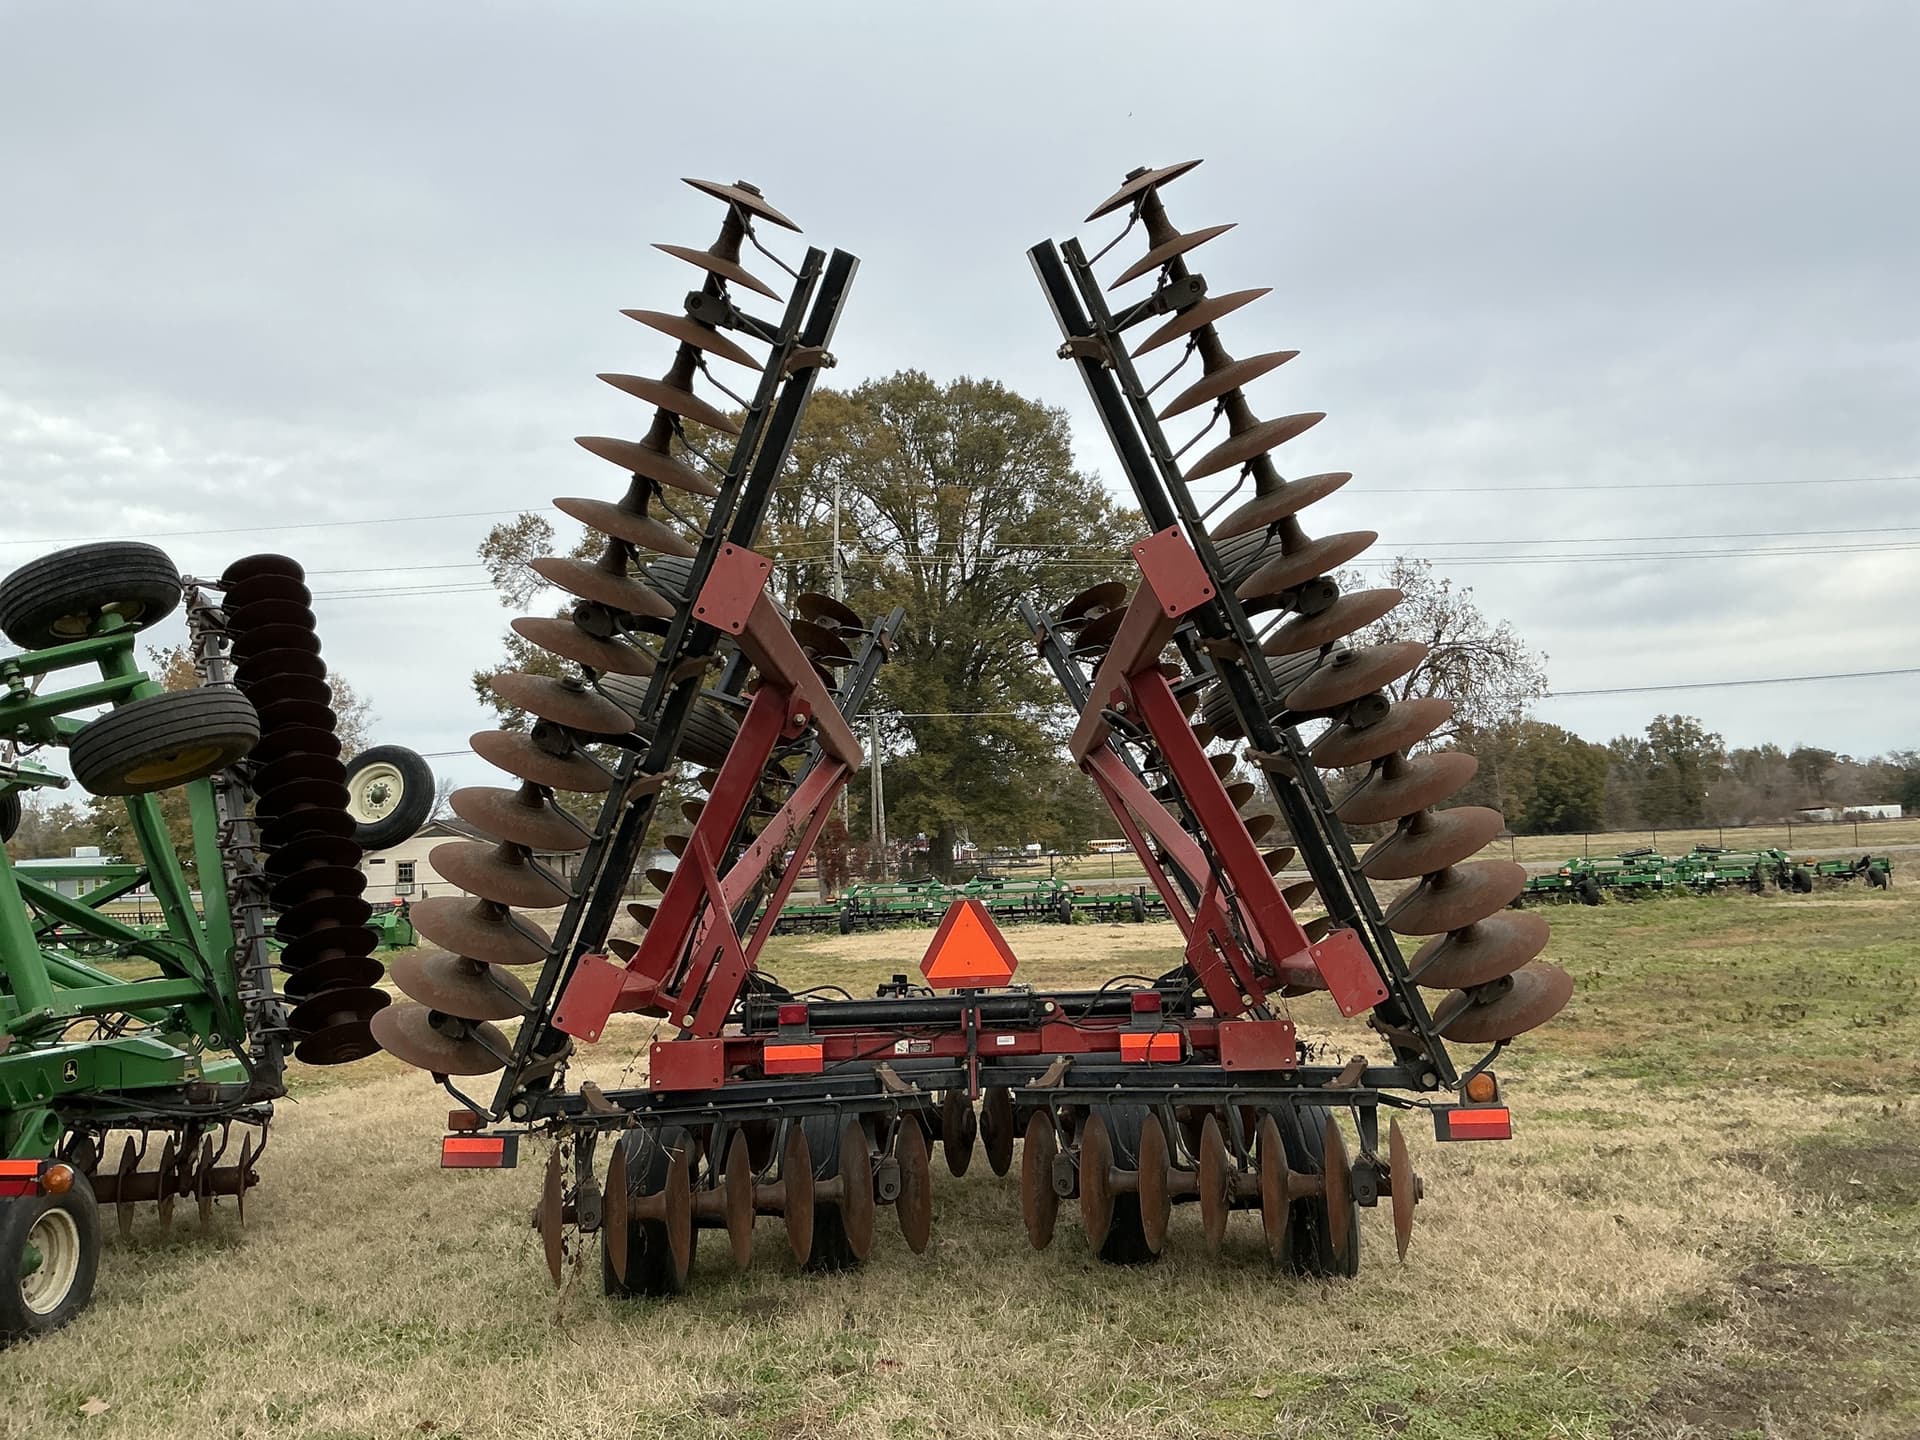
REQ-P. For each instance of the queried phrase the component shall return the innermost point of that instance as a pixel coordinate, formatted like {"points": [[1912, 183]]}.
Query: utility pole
{"points": [[879, 795]]}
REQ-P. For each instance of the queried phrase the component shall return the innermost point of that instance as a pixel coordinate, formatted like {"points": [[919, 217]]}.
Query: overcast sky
{"points": [[1567, 275]]}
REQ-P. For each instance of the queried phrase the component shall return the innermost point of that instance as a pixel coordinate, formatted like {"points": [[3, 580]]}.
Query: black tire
{"points": [[1878, 879], [1588, 890], [1802, 880], [64, 596], [846, 922], [72, 1221], [1063, 911], [391, 793], [1303, 1134], [709, 730], [10, 815], [832, 1252], [1137, 907], [649, 1259], [1127, 1236], [163, 741]]}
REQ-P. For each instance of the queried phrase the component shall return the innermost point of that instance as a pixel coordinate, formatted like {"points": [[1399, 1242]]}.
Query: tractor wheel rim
{"points": [[57, 1239], [183, 764], [376, 793]]}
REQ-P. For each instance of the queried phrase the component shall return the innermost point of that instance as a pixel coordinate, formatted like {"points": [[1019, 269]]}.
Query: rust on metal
{"points": [[496, 872], [637, 458], [1404, 784], [745, 197], [1406, 723], [1138, 184], [526, 816], [568, 703], [688, 331], [636, 527], [455, 985], [480, 929], [1489, 948], [1528, 998], [1171, 249], [676, 399], [567, 640], [729, 270], [1346, 675], [1039, 1202], [1202, 312], [1454, 898], [1430, 840]]}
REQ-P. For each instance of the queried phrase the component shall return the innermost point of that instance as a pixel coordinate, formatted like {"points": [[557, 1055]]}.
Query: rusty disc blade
{"points": [[169, 1180], [1276, 1189], [1240, 792], [455, 985], [1096, 1180], [1298, 893], [739, 195], [1406, 723], [718, 265], [827, 611], [796, 1183], [123, 1202], [823, 644], [1346, 615], [246, 1180], [856, 1188], [1267, 507], [1278, 860], [1431, 840], [1097, 632], [1455, 897], [1483, 952], [572, 706], [338, 972], [1202, 312], [675, 843], [567, 640], [1259, 825], [525, 817], [520, 755], [1283, 572], [1528, 998], [1406, 1188], [1216, 1183], [1255, 440], [997, 1127], [616, 590], [958, 1129], [678, 1198], [1153, 1179], [1138, 185], [914, 1207], [1346, 675], [1039, 1202], [1231, 376], [203, 1184], [688, 331], [633, 526], [552, 1231], [1169, 250], [675, 399], [497, 874], [738, 1185], [643, 912], [1403, 786], [648, 463], [1093, 601], [480, 929], [1338, 1192], [442, 1046], [616, 1212]]}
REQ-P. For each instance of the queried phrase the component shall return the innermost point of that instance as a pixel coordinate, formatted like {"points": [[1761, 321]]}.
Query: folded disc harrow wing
{"points": [[1121, 1100]]}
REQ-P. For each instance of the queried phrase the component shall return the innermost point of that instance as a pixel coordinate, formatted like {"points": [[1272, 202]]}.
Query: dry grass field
{"points": [[1705, 1227]]}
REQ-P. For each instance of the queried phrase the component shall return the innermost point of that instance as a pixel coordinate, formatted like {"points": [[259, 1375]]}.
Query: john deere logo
{"points": [[70, 1072]]}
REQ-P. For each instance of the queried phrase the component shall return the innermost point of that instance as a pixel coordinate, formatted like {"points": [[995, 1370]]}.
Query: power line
{"points": [[296, 525], [1730, 684]]}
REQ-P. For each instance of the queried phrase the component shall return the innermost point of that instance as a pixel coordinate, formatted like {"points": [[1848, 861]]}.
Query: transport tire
{"points": [[163, 741], [10, 815], [1063, 911], [1878, 879], [1588, 891], [65, 596], [846, 922], [709, 730], [1802, 880], [390, 796], [650, 1267], [59, 1235], [1137, 907], [1126, 1242], [1302, 1132]]}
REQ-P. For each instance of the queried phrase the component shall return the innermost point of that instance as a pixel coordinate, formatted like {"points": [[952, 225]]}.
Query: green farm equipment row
{"points": [[139, 1062], [1702, 870], [885, 906]]}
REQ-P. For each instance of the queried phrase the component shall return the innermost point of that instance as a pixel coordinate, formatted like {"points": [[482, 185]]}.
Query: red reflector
{"points": [[479, 1152], [794, 1014], [794, 1059], [1489, 1123], [1137, 1047], [1146, 1002]]}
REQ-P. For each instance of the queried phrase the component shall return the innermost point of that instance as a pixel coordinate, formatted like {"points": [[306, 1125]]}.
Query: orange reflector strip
{"points": [[794, 1059], [19, 1177], [1482, 1124], [1137, 1047], [479, 1152]]}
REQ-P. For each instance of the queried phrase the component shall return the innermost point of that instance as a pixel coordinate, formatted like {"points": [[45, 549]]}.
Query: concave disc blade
{"points": [[346, 1033], [914, 1207], [958, 1128], [648, 463], [1346, 675], [1152, 1181], [1253, 441], [326, 945], [455, 985], [1537, 992], [750, 201], [320, 913], [1348, 614], [673, 399], [738, 1184], [525, 817], [997, 1128], [289, 742], [1092, 601], [269, 638], [261, 588], [552, 1230], [1406, 786], [318, 882], [341, 972], [479, 929], [1483, 952], [1096, 1180], [482, 869], [615, 1212], [1138, 185], [1339, 1189], [718, 265], [1457, 896], [567, 640], [856, 1188], [614, 589], [1168, 250], [1406, 1188], [449, 1047], [823, 644], [1202, 312], [678, 1196], [1406, 723], [1039, 1202], [1268, 506], [253, 567], [827, 611], [633, 526], [1280, 573], [688, 331], [1431, 840], [1219, 380], [262, 613], [520, 755], [274, 664], [796, 1183], [566, 705], [1276, 1189], [1216, 1183]]}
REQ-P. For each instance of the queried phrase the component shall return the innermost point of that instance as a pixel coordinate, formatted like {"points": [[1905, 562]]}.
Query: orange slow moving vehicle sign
{"points": [[968, 951]]}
